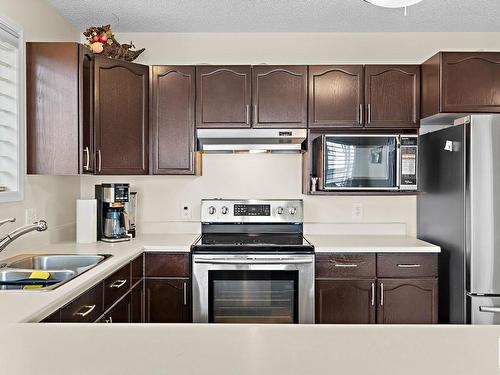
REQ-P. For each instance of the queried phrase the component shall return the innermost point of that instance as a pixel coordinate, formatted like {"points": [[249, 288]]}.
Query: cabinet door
{"points": [[407, 301], [223, 95], [470, 82], [137, 303], [392, 96], [279, 96], [121, 117], [86, 76], [120, 313], [167, 301], [172, 120], [336, 96], [345, 301]]}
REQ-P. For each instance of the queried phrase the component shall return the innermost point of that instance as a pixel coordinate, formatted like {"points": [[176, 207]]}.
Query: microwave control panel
{"points": [[409, 159]]}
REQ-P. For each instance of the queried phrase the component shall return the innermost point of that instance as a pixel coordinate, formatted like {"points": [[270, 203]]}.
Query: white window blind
{"points": [[11, 112]]}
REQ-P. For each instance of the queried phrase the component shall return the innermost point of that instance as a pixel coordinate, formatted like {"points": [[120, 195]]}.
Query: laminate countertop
{"points": [[370, 244], [32, 306]]}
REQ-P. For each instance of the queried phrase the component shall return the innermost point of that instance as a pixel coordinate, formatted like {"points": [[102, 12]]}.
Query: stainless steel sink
{"points": [[78, 263], [15, 272]]}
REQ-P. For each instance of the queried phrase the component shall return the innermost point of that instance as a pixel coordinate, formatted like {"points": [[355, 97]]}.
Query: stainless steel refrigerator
{"points": [[459, 210]]}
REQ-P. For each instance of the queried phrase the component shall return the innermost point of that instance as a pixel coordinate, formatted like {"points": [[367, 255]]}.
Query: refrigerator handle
{"points": [[490, 309]]}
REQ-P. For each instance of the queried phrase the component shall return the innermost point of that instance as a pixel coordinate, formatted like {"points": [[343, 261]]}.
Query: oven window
{"points": [[253, 296], [360, 162]]}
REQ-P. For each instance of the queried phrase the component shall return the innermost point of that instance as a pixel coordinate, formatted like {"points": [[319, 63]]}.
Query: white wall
{"points": [[278, 176], [52, 197]]}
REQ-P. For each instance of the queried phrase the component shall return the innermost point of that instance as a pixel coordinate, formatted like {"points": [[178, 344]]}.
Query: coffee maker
{"points": [[112, 218]]}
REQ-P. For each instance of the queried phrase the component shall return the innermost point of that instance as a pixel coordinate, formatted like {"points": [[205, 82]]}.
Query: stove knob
{"points": [[279, 210], [211, 210], [292, 210], [224, 210]]}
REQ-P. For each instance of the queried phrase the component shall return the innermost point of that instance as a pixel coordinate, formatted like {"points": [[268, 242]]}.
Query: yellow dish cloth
{"points": [[37, 275], [40, 275]]}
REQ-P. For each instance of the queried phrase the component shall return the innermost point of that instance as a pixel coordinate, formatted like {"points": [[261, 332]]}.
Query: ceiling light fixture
{"points": [[393, 3]]}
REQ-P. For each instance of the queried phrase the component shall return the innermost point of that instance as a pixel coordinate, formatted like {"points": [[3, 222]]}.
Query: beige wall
{"points": [[278, 176], [53, 197]]}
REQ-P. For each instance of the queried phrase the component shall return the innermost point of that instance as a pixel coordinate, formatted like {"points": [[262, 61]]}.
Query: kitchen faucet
{"points": [[39, 226]]}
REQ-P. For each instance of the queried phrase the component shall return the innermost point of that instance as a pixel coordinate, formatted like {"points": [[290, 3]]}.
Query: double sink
{"points": [[15, 272]]}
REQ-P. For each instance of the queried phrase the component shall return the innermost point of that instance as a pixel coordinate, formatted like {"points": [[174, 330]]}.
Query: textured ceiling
{"points": [[279, 15]]}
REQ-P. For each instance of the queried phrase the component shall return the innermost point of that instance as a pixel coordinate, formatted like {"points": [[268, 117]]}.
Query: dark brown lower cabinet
{"points": [[137, 303], [120, 313], [167, 300], [345, 301], [407, 301]]}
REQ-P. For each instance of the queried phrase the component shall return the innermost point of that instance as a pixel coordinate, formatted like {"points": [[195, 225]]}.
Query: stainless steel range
{"points": [[252, 263]]}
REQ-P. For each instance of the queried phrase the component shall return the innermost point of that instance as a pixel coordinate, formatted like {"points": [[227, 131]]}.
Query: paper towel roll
{"points": [[86, 220]]}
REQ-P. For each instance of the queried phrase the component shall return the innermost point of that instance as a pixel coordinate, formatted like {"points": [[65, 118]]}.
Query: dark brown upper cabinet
{"points": [[223, 96], [172, 119], [279, 96], [121, 117], [336, 96], [461, 82], [392, 96], [59, 100]]}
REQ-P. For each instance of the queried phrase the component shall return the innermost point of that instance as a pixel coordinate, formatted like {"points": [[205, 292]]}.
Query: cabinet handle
{"points": [[254, 120], [345, 265], [86, 151], [490, 309], [361, 114], [185, 293], [99, 161], [381, 294], [373, 294], [369, 113], [118, 284], [110, 320], [409, 265], [88, 308], [247, 114]]}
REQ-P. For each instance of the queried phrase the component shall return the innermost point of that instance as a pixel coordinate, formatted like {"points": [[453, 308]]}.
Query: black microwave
{"points": [[366, 162]]}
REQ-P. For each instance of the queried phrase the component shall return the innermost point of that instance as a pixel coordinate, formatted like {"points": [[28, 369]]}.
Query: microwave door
{"points": [[360, 163]]}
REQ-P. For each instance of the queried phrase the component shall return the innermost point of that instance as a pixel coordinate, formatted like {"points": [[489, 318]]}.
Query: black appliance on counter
{"points": [[252, 263]]}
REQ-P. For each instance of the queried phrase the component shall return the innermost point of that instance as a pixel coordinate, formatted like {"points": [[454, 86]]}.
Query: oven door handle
{"points": [[253, 261]]}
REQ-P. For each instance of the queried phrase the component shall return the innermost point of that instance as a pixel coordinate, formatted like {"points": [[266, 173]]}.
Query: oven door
{"points": [[367, 162], [260, 288]]}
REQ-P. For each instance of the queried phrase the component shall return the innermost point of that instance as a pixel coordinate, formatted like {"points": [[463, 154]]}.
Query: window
{"points": [[11, 112]]}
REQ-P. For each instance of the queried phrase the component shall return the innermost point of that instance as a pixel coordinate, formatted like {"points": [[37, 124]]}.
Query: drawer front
{"points": [[116, 285], [167, 265], [407, 265], [345, 265], [86, 308], [136, 269]]}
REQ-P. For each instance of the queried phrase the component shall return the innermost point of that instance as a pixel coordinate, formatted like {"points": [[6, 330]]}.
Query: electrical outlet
{"points": [[357, 211], [186, 211], [30, 215]]}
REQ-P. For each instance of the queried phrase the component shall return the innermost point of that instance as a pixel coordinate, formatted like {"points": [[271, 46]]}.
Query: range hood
{"points": [[251, 140]]}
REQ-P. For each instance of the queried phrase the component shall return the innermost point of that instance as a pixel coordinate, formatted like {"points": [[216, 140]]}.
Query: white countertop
{"points": [[29, 306], [32, 306], [370, 244]]}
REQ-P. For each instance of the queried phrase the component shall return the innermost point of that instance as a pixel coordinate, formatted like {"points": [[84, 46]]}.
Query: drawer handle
{"points": [[88, 309], [118, 284], [346, 265], [409, 265]]}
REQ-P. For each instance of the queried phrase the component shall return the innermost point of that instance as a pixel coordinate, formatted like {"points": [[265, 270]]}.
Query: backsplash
{"points": [[254, 176]]}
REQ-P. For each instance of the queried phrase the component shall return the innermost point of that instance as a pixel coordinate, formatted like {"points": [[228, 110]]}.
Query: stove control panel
{"points": [[254, 211]]}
